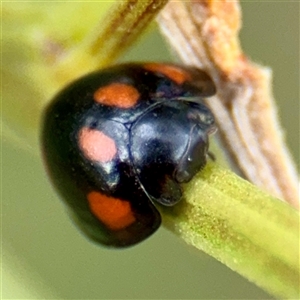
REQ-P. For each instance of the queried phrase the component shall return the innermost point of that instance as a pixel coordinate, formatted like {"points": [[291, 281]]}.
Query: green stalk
{"points": [[251, 232], [121, 26]]}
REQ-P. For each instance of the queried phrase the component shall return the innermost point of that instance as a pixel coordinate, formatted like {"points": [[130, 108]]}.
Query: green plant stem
{"points": [[122, 25], [251, 232]]}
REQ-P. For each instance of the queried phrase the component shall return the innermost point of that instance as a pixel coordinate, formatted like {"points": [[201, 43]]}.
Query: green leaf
{"points": [[251, 232]]}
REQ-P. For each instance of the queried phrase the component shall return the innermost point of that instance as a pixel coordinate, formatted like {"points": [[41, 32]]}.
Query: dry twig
{"points": [[205, 34]]}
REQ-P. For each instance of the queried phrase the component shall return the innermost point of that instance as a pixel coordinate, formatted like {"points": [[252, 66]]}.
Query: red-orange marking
{"points": [[117, 94], [174, 73], [116, 214], [96, 146]]}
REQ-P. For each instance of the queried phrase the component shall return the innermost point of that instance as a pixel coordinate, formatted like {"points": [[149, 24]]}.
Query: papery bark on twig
{"points": [[205, 34]]}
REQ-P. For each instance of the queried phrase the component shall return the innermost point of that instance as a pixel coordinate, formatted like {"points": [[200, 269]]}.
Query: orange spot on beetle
{"points": [[96, 146], [174, 73], [117, 94], [115, 213]]}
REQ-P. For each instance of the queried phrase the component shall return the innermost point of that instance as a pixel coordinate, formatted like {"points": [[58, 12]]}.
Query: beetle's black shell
{"points": [[161, 141]]}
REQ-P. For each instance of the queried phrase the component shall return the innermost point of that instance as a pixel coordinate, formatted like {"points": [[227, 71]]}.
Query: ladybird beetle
{"points": [[119, 140]]}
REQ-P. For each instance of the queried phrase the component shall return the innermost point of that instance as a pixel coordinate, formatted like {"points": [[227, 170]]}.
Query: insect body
{"points": [[119, 140]]}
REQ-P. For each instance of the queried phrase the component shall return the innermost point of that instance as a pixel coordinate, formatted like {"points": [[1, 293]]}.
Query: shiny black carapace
{"points": [[119, 140]]}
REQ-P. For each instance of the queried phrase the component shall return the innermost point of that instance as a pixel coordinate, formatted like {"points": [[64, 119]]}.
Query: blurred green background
{"points": [[45, 257]]}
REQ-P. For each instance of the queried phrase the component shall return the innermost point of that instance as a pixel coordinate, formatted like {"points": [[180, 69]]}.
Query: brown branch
{"points": [[205, 34]]}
